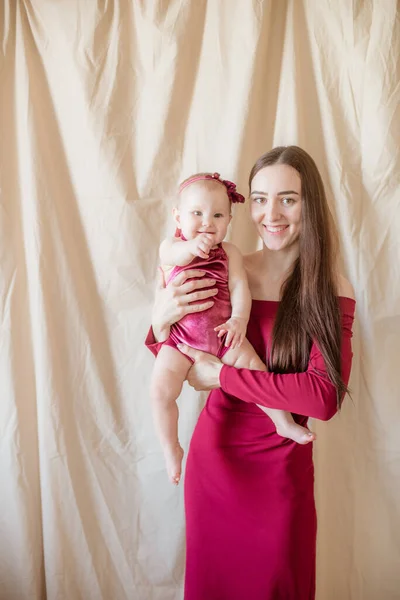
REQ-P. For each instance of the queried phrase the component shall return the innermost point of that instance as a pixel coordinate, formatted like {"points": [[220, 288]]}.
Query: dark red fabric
{"points": [[249, 494], [309, 393]]}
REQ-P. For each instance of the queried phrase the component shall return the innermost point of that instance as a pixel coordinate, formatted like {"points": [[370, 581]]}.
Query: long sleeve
{"points": [[309, 393], [151, 343]]}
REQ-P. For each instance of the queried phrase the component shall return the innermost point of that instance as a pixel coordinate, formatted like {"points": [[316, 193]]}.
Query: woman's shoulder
{"points": [[230, 248], [251, 261], [344, 287], [233, 253]]}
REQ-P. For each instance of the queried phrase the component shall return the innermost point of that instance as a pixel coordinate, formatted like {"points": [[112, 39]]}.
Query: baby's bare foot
{"points": [[297, 433], [173, 459]]}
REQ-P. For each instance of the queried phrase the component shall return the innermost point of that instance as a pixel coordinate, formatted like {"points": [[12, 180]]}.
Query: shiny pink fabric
{"points": [[197, 330]]}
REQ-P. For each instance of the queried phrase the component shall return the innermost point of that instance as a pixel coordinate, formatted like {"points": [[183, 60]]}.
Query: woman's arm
{"points": [[309, 393], [174, 301]]}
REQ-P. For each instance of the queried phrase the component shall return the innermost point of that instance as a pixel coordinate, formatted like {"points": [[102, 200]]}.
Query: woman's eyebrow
{"points": [[255, 193]]}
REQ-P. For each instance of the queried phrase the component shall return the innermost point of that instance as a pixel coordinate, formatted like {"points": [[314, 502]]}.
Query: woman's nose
{"points": [[273, 210]]}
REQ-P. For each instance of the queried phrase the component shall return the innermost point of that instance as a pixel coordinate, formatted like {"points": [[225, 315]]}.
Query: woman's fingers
{"points": [[197, 296], [191, 352], [188, 274], [204, 373], [187, 290], [188, 297], [196, 284], [193, 308]]}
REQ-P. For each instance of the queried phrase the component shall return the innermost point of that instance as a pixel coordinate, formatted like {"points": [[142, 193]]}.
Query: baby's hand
{"points": [[235, 328], [202, 244]]}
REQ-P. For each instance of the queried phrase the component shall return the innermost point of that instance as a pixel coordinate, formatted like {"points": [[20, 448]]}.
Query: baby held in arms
{"points": [[202, 215]]}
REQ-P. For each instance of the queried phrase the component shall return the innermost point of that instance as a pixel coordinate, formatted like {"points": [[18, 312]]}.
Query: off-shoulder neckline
{"points": [[278, 301], [265, 307]]}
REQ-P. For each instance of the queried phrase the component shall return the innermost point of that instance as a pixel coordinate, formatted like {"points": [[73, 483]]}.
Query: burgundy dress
{"points": [[249, 493]]}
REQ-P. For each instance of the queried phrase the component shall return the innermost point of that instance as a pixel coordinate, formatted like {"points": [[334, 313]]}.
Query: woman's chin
{"points": [[279, 244]]}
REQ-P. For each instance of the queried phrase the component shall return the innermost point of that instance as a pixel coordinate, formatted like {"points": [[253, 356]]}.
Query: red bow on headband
{"points": [[233, 195]]}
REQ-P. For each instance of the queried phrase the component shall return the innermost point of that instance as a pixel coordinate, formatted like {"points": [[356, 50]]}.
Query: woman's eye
{"points": [[260, 200], [287, 201]]}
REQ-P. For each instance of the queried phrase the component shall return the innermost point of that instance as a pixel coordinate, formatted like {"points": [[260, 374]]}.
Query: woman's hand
{"points": [[174, 301], [204, 373]]}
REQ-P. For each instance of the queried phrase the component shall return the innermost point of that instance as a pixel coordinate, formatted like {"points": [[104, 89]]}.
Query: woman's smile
{"points": [[275, 229]]}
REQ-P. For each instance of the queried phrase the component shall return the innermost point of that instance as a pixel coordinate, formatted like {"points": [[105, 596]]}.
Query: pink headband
{"points": [[233, 195]]}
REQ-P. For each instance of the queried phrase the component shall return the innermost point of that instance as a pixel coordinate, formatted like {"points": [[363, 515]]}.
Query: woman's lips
{"points": [[275, 229]]}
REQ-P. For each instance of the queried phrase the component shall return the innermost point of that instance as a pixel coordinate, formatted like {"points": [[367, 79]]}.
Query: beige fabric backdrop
{"points": [[105, 106]]}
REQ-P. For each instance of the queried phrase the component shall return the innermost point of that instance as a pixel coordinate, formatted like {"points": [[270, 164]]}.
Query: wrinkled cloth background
{"points": [[105, 106]]}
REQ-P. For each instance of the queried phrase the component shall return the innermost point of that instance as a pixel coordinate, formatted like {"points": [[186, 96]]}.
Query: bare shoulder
{"points": [[345, 288], [231, 250], [251, 261]]}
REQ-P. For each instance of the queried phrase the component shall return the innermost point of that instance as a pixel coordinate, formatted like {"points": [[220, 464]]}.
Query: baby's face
{"points": [[204, 208]]}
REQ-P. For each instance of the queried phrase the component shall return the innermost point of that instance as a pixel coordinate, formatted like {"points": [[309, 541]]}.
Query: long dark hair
{"points": [[309, 308]]}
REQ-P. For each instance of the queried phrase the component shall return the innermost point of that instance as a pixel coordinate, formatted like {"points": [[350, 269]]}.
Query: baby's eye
{"points": [[197, 213], [218, 215]]}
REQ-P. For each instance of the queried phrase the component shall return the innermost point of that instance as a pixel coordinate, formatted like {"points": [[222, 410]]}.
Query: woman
{"points": [[249, 498]]}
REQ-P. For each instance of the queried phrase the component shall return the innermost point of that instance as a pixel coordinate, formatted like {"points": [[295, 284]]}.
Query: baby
{"points": [[202, 216]]}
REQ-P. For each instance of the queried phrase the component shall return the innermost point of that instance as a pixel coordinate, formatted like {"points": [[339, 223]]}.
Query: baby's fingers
{"points": [[229, 337], [205, 247], [220, 327], [235, 341]]}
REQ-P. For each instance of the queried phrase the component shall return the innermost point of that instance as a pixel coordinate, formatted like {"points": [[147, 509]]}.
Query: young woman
{"points": [[249, 497]]}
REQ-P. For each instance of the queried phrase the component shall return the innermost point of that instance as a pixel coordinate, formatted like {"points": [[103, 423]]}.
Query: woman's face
{"points": [[275, 205]]}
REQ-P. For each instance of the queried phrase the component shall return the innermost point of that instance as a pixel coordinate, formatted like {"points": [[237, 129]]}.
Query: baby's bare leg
{"points": [[168, 375], [245, 357]]}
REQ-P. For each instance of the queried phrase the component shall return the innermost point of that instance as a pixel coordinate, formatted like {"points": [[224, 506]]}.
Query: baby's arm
{"points": [[177, 252], [236, 326]]}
